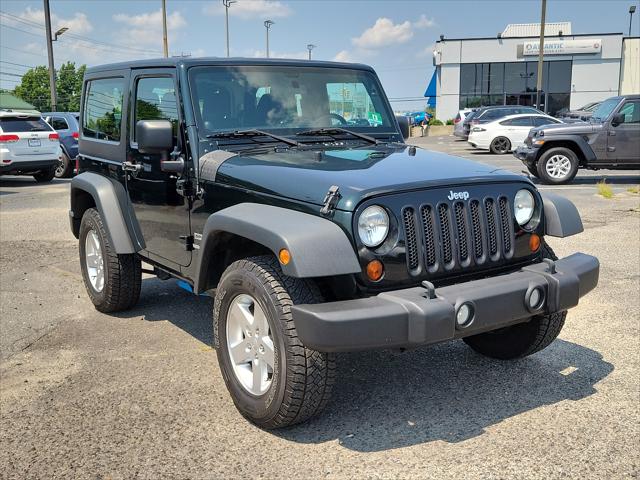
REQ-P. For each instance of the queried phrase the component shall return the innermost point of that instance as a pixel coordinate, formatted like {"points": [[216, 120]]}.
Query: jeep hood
{"points": [[307, 175], [577, 128]]}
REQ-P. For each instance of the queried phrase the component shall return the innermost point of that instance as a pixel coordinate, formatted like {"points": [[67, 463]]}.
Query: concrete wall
{"points": [[594, 76], [630, 71]]}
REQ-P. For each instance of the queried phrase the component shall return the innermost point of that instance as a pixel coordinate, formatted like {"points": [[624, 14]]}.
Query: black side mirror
{"points": [[617, 119], [403, 123], [154, 136]]}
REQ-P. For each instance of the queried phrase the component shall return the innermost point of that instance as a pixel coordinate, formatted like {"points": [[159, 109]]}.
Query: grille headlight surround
{"points": [[524, 206], [373, 226]]}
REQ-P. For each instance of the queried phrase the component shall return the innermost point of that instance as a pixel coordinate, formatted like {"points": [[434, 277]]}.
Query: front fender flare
{"points": [[561, 217], [318, 247]]}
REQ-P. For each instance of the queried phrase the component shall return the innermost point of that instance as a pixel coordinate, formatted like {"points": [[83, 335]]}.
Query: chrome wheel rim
{"points": [[250, 344], [558, 166], [93, 260]]}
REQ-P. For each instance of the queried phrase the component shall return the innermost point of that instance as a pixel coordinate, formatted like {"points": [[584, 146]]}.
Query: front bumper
{"points": [[527, 155], [414, 316]]}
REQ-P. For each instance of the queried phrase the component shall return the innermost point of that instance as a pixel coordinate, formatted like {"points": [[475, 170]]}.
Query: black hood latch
{"points": [[331, 199]]}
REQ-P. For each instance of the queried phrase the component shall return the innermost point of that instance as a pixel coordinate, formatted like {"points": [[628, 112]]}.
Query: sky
{"points": [[395, 37]]}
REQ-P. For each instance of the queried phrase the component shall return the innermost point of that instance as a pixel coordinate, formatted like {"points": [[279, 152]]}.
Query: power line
{"points": [[18, 64], [23, 51]]}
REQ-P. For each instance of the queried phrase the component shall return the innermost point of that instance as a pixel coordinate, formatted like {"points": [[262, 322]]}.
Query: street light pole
{"points": [[632, 10], [267, 24], [52, 72], [543, 14], [310, 47], [165, 44], [227, 4]]}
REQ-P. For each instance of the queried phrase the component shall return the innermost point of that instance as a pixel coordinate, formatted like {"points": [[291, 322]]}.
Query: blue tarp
{"points": [[431, 90]]}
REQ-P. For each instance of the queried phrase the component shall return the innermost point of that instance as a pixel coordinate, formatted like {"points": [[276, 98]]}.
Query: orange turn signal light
{"points": [[284, 256], [534, 242], [375, 269]]}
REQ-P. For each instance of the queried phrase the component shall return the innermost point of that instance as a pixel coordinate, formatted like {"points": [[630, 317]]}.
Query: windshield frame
{"points": [[611, 103], [391, 130]]}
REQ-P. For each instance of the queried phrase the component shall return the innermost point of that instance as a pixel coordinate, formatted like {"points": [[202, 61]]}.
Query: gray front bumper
{"points": [[408, 317]]}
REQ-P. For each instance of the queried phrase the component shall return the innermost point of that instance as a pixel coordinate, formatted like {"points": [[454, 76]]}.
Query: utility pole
{"points": [[267, 24], [543, 15], [165, 44], [52, 71], [632, 10], [310, 47], [227, 4]]}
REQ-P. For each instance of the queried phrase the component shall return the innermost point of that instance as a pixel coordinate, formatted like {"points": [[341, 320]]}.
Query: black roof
{"points": [[236, 61]]}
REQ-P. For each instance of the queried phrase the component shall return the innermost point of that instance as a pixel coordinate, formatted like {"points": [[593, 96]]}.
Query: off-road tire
{"points": [[499, 147], [547, 156], [122, 273], [44, 176], [64, 167], [301, 385], [522, 339]]}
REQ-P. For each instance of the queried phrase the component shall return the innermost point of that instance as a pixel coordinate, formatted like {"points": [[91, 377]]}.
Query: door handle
{"points": [[131, 167]]}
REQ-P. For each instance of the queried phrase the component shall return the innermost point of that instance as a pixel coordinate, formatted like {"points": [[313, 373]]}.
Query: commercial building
{"points": [[502, 70]]}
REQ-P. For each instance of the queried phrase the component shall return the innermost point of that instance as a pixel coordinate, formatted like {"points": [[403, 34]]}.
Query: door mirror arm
{"points": [[175, 165]]}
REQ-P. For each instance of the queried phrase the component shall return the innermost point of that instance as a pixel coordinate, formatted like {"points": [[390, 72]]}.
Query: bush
{"points": [[435, 121], [450, 121]]}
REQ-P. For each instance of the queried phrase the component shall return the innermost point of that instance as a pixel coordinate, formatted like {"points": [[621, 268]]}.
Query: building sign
{"points": [[564, 47]]}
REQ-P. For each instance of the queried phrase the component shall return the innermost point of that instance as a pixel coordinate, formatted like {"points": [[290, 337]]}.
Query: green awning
{"points": [[11, 102]]}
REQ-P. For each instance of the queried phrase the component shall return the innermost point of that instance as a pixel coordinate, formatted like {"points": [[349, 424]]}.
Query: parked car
{"points": [[611, 139], [28, 146], [66, 124], [507, 133], [583, 113], [458, 122], [489, 114], [317, 238]]}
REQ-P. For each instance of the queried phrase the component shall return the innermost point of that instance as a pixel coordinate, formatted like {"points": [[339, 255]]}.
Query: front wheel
{"points": [[557, 165], [273, 379]]}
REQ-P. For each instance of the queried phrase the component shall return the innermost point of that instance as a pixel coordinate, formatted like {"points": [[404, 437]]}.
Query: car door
{"points": [[517, 130], [623, 141], [61, 126], [162, 213]]}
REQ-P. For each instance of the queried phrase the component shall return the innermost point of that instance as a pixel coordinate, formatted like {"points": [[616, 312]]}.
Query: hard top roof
{"points": [[236, 61]]}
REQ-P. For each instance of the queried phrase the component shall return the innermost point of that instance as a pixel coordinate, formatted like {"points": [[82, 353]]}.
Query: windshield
{"points": [[605, 108], [287, 99]]}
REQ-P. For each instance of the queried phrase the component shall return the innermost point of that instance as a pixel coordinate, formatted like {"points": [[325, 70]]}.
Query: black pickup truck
{"points": [[285, 189], [609, 139]]}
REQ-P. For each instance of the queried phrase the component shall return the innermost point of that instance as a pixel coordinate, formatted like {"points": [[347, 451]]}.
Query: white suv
{"points": [[28, 146]]}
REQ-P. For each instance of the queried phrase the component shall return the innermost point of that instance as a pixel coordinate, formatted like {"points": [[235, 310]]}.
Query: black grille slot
{"points": [[445, 230], [476, 228], [504, 224], [429, 235], [491, 226], [411, 239], [461, 225]]}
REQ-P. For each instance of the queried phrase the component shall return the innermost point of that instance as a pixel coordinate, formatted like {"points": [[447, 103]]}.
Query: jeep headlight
{"points": [[373, 226], [523, 205]]}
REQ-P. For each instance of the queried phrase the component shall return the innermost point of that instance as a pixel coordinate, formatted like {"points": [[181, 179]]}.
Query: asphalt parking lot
{"points": [[139, 394]]}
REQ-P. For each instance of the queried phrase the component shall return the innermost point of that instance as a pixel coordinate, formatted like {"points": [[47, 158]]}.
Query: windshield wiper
{"points": [[254, 133], [332, 131]]}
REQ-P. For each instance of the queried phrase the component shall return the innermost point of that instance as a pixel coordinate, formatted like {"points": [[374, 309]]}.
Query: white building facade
{"points": [[502, 70]]}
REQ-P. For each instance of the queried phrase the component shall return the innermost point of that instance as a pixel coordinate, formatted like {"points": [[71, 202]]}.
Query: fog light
{"points": [[536, 299], [464, 315]]}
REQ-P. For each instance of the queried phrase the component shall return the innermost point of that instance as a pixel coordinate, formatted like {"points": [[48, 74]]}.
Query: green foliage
{"points": [[604, 189], [34, 87], [450, 121], [435, 121]]}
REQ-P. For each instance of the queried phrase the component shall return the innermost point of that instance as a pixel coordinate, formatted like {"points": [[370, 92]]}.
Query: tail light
{"points": [[54, 136], [75, 135], [457, 119], [77, 165], [9, 138]]}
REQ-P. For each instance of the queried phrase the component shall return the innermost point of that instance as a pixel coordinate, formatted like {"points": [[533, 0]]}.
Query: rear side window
{"points": [[518, 122], [59, 123], [539, 121], [28, 124], [102, 118]]}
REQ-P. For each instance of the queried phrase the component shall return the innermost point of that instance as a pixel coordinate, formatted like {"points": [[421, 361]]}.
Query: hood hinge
{"points": [[331, 199]]}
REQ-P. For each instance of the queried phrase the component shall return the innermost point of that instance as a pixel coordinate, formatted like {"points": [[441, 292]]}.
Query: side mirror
{"points": [[154, 136], [617, 119], [403, 123]]}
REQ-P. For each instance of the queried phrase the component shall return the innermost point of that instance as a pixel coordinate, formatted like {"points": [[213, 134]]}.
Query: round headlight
{"points": [[523, 205], [373, 226]]}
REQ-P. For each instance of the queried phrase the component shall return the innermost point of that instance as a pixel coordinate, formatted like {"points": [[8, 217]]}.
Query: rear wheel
{"points": [[500, 145], [558, 165], [64, 167], [44, 176], [522, 339]]}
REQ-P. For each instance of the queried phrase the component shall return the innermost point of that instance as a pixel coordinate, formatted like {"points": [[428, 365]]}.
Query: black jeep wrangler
{"points": [[286, 188], [609, 139]]}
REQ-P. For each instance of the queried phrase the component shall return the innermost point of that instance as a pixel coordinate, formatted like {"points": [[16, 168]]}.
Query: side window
{"points": [[102, 117], [521, 122], [59, 123], [631, 112], [539, 121], [156, 100]]}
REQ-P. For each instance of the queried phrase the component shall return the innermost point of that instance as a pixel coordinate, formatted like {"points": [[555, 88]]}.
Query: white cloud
{"points": [[424, 22], [343, 56], [246, 9], [383, 33], [146, 29], [426, 51], [78, 23], [275, 54]]}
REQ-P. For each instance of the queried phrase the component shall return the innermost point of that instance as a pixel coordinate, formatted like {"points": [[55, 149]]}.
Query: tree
{"points": [[69, 87], [34, 87]]}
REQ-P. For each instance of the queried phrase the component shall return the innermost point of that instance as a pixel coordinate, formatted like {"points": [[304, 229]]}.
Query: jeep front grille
{"points": [[457, 235]]}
